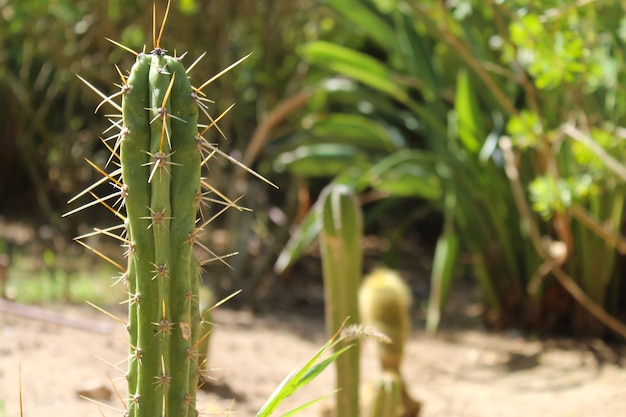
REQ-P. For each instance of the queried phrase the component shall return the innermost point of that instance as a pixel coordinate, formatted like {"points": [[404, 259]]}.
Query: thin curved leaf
{"points": [[471, 130], [353, 64], [320, 160], [407, 173], [373, 24], [354, 129], [300, 240]]}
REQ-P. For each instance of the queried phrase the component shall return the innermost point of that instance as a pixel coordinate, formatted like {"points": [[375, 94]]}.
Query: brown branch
{"points": [[50, 316], [262, 132]]}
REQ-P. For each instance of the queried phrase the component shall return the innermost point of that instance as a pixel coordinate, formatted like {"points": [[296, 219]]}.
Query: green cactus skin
{"points": [[159, 182], [161, 165], [341, 250], [387, 399], [384, 300]]}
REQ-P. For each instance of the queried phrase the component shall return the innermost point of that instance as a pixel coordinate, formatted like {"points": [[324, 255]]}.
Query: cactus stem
{"points": [[165, 327], [158, 104]]}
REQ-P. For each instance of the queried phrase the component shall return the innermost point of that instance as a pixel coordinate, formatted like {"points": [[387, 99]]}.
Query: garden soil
{"points": [[462, 372]]}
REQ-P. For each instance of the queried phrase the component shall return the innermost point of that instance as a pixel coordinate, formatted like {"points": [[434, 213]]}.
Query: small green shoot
{"points": [[298, 378]]}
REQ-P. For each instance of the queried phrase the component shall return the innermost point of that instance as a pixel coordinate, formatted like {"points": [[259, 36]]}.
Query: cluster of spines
{"points": [[158, 152]]}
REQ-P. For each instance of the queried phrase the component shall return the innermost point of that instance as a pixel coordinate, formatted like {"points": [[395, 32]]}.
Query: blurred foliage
{"points": [[48, 125], [47, 121], [514, 112], [504, 118]]}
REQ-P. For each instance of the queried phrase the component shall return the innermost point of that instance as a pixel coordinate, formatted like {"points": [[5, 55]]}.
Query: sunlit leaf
{"points": [[470, 128], [353, 129], [407, 174], [358, 13], [300, 240], [353, 64], [323, 160]]}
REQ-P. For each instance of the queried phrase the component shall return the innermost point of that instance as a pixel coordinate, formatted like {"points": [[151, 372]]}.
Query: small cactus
{"points": [[387, 399], [160, 152], [384, 300]]}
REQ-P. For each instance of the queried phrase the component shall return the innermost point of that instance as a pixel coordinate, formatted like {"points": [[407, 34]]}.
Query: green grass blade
{"points": [[307, 405], [446, 254], [298, 378]]}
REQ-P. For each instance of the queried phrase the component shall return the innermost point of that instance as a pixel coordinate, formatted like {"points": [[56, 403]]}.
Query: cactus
{"points": [[161, 153], [340, 242], [384, 300], [387, 400]]}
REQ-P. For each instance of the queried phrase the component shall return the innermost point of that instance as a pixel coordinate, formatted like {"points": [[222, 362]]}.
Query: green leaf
{"points": [[365, 19], [298, 378], [307, 405], [300, 240], [444, 263], [415, 56], [322, 160], [471, 130], [353, 129], [353, 64], [407, 174]]}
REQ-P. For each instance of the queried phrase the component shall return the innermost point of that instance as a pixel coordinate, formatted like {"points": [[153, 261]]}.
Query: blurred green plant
{"points": [[342, 258], [511, 113]]}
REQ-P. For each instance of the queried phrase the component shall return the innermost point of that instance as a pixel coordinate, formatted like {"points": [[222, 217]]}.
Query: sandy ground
{"points": [[460, 373]]}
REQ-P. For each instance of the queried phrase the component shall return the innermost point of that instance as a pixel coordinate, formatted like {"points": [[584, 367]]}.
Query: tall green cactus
{"points": [[159, 185], [161, 172], [341, 250]]}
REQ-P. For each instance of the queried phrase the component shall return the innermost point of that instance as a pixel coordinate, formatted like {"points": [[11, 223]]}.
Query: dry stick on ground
{"points": [[50, 316], [555, 267]]}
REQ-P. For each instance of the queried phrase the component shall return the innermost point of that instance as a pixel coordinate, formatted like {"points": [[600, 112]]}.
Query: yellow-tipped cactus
{"points": [[384, 301]]}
